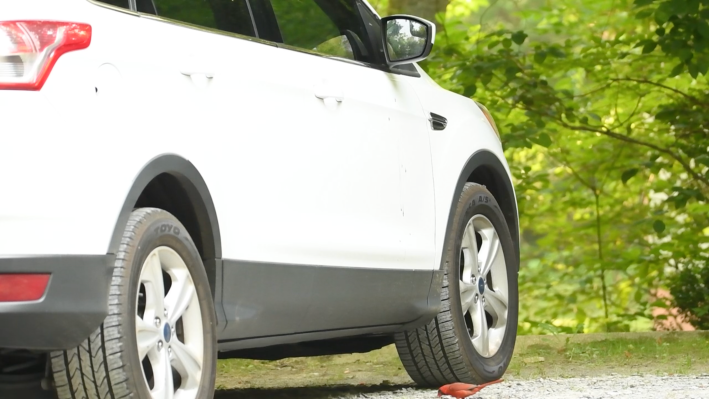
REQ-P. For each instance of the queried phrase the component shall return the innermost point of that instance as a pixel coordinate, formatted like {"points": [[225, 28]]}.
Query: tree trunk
{"points": [[426, 9]]}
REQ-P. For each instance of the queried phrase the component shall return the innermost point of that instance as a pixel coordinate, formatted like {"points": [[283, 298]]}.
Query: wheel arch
{"points": [[171, 181], [485, 168]]}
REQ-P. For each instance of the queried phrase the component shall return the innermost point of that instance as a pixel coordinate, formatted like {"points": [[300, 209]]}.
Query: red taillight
{"points": [[22, 287], [29, 50]]}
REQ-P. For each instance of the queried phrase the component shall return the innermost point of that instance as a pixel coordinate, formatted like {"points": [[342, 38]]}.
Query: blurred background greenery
{"points": [[602, 107]]}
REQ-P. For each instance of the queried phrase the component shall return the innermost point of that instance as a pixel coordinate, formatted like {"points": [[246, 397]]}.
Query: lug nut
{"points": [[169, 350], [160, 344], [476, 298], [165, 313], [157, 322]]}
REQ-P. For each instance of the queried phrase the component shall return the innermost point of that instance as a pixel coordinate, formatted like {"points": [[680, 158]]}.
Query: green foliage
{"points": [[602, 106], [693, 297]]}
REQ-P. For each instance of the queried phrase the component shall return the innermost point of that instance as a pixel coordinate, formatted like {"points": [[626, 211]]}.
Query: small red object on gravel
{"points": [[460, 390]]}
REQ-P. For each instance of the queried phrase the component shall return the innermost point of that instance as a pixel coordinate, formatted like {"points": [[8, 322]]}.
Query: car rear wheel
{"points": [[159, 339], [473, 336]]}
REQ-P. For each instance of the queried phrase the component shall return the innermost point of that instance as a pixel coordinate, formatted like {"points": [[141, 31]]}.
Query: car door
{"points": [[361, 178], [338, 220]]}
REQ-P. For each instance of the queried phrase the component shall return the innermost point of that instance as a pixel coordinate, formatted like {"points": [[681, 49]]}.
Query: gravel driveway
{"points": [[613, 386], [634, 387]]}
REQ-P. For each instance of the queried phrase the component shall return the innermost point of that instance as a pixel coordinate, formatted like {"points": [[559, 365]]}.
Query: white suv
{"points": [[187, 180]]}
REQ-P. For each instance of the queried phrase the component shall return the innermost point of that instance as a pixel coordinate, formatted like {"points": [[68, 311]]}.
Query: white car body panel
{"points": [[291, 182], [468, 131]]}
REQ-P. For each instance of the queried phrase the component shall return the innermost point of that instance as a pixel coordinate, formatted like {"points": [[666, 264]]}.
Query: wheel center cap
{"points": [[481, 286], [167, 332]]}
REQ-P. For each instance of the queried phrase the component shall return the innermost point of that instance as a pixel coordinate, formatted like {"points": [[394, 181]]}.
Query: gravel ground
{"points": [[613, 386], [633, 387]]}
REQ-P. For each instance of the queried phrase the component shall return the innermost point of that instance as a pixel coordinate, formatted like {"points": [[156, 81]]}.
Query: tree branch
{"points": [[650, 82], [631, 140]]}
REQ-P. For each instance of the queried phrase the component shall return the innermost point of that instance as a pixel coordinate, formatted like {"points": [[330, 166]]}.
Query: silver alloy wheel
{"points": [[483, 286], [168, 327]]}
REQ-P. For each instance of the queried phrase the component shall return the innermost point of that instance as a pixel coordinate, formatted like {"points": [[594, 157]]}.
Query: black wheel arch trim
{"points": [[493, 163], [195, 186]]}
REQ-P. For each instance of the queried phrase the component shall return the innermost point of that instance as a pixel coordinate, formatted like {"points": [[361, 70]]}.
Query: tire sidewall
{"points": [[477, 200], [162, 230]]}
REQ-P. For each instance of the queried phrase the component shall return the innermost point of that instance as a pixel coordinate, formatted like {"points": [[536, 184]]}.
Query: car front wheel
{"points": [[473, 336], [159, 339]]}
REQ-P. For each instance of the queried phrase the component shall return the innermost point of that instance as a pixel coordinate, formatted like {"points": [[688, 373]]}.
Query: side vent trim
{"points": [[438, 122]]}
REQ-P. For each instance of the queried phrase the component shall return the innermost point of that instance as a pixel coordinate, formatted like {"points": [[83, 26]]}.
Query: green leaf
{"points": [[557, 52], [507, 43], [659, 303], [677, 69], [644, 14], [660, 32], [640, 3], [486, 78], [702, 27], [470, 90], [678, 7], [540, 56], [628, 174], [649, 47], [703, 159], [519, 37], [659, 226], [493, 44], [663, 13], [543, 140], [693, 70]]}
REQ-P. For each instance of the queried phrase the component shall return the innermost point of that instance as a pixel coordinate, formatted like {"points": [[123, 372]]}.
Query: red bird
{"points": [[460, 390]]}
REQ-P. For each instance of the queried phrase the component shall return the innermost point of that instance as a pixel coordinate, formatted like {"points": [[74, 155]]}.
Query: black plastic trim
{"points": [[197, 190], [74, 305], [438, 122], [130, 11], [271, 304], [489, 160], [349, 344]]}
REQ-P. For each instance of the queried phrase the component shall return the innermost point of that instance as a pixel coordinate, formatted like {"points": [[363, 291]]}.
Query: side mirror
{"points": [[407, 39]]}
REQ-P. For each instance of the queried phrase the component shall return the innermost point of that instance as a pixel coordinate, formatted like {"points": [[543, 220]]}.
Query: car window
{"points": [[332, 27], [225, 15]]}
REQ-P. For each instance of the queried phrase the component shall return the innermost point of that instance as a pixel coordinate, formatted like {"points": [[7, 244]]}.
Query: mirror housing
{"points": [[407, 39]]}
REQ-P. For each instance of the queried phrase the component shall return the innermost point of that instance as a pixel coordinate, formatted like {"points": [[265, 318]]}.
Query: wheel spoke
{"points": [[480, 329], [164, 387], [147, 336], [496, 305], [187, 364], [489, 251], [467, 295], [179, 296], [152, 279], [469, 247]]}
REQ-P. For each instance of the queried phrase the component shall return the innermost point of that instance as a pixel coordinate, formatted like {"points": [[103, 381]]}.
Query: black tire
{"points": [[442, 352], [106, 365]]}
